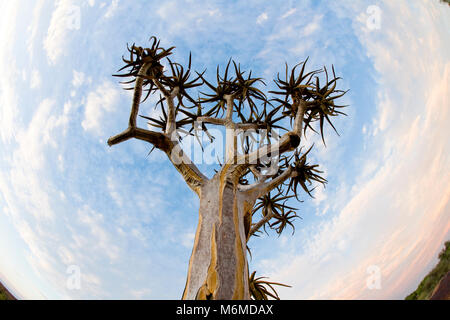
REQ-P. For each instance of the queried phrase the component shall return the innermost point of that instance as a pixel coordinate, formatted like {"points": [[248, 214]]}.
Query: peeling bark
{"points": [[218, 266]]}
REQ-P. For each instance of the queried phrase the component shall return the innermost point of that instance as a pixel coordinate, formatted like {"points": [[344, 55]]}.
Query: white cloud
{"points": [[8, 111], [188, 239], [289, 13], [94, 221], [79, 78], [113, 191], [214, 12], [140, 294], [36, 80], [262, 18], [112, 9], [166, 9], [319, 195], [398, 217], [100, 102], [178, 16], [90, 279], [8, 95], [65, 19], [37, 135], [29, 159], [66, 255], [33, 27], [313, 26]]}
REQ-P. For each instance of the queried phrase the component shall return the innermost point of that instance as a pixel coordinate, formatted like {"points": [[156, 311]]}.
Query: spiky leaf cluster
{"points": [[306, 86], [243, 89], [276, 206], [181, 79], [138, 57], [305, 174], [321, 105], [261, 289], [302, 179]]}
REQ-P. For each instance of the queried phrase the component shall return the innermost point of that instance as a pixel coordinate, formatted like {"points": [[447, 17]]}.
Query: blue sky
{"points": [[127, 220]]}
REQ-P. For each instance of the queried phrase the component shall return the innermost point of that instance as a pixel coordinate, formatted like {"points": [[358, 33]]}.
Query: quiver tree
{"points": [[261, 169]]}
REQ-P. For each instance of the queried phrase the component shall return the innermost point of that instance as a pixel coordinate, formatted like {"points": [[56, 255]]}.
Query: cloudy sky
{"points": [[125, 221]]}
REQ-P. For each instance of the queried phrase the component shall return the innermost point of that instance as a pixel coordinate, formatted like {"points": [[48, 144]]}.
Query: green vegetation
{"points": [[3, 296], [426, 287]]}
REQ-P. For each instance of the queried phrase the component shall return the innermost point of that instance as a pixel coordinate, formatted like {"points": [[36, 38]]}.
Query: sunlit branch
{"points": [[259, 189], [288, 142], [260, 223], [193, 177]]}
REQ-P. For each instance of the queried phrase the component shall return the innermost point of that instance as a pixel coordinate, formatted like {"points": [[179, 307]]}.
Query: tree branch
{"points": [[171, 116], [230, 103], [231, 134], [288, 142], [169, 95], [191, 174], [259, 189], [137, 94], [259, 224], [247, 126], [193, 177], [222, 122], [217, 121], [161, 88], [257, 174], [156, 138]]}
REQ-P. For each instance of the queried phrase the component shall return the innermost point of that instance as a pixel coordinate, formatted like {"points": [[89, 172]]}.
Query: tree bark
{"points": [[218, 265]]}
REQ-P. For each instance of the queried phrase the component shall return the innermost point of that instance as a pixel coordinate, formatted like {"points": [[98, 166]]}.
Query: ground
{"points": [[436, 280], [5, 294]]}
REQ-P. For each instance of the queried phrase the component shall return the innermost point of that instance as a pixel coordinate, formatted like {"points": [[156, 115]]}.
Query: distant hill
{"points": [[5, 294], [436, 285]]}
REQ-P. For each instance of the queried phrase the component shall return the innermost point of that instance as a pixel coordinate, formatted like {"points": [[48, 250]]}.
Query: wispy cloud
{"points": [[262, 18], [8, 94], [289, 13], [35, 81], [397, 218], [111, 9], [79, 78], [65, 18], [98, 104]]}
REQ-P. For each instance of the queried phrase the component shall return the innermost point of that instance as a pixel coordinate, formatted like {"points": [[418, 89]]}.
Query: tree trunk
{"points": [[218, 264]]}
